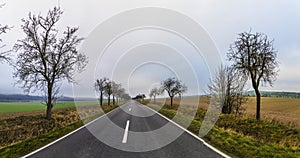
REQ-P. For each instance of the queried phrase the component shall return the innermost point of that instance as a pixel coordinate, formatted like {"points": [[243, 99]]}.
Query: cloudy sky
{"points": [[140, 58]]}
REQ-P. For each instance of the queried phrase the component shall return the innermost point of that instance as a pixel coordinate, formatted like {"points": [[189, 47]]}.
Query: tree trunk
{"points": [[171, 101], [257, 104], [48, 112], [49, 103], [108, 100], [101, 98], [114, 100], [154, 99]]}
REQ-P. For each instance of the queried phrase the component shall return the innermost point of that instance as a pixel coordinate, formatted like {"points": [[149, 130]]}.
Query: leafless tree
{"points": [[254, 56], [126, 96], [44, 58], [115, 87], [227, 87], [154, 92], [108, 91], [173, 87], [100, 87], [120, 94], [4, 55], [110, 88]]}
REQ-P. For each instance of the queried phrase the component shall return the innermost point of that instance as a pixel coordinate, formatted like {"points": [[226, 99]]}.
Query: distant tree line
{"points": [[275, 94]]}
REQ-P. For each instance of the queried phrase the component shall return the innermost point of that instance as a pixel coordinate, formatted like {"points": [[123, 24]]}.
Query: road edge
{"points": [[189, 132]]}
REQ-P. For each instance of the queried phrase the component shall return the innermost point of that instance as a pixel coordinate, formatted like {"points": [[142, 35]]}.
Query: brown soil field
{"points": [[281, 110]]}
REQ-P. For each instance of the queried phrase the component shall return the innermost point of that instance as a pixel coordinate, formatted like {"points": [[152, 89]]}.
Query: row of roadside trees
{"points": [[46, 56], [226, 86], [251, 57], [110, 89]]}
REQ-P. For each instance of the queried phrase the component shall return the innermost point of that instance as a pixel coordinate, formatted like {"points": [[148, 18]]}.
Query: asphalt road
{"points": [[133, 130]]}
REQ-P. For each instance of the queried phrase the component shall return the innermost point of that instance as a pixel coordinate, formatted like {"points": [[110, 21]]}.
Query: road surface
{"points": [[126, 132]]}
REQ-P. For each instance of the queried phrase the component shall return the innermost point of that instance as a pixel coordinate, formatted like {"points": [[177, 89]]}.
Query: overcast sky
{"points": [[222, 20]]}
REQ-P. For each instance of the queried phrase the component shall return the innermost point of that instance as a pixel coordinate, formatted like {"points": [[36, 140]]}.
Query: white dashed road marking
{"points": [[126, 132]]}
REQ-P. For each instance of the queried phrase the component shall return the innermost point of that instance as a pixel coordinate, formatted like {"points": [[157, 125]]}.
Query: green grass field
{"points": [[15, 107]]}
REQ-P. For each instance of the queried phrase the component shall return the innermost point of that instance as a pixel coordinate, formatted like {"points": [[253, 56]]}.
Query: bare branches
{"points": [[227, 89], [44, 58], [154, 92], [106, 87], [173, 87], [254, 56], [5, 55], [100, 87]]}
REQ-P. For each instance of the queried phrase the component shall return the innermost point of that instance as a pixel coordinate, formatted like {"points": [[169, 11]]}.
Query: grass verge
{"points": [[34, 143]]}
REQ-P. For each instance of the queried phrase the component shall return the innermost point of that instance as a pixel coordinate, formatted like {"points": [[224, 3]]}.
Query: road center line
{"points": [[126, 132], [129, 109]]}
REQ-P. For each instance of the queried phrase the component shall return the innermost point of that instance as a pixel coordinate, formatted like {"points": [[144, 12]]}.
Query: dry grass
{"points": [[14, 130], [203, 101], [20, 128], [281, 110]]}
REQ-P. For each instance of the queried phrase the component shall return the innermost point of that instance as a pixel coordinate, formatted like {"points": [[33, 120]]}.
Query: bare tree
{"points": [[154, 92], [120, 94], [228, 88], [173, 87], [254, 56], [100, 87], [4, 56], [126, 96], [44, 59], [115, 87], [108, 90]]}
